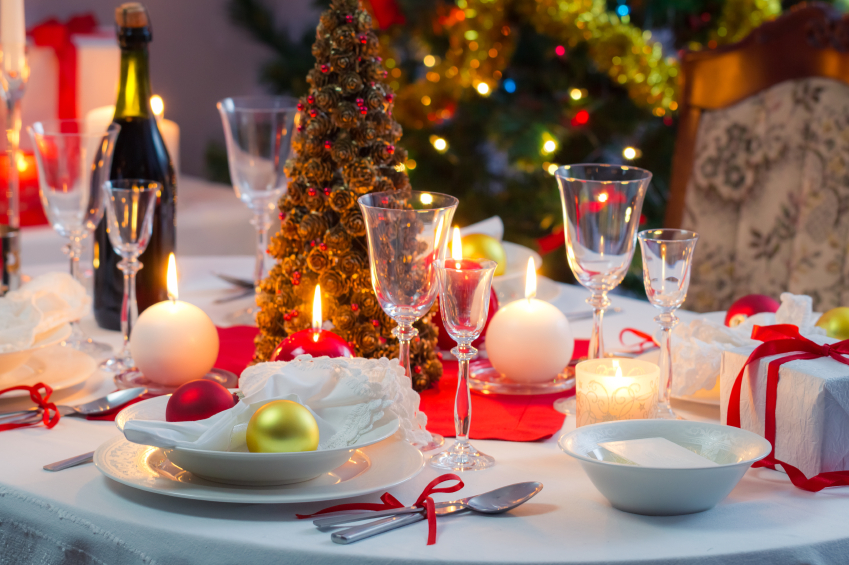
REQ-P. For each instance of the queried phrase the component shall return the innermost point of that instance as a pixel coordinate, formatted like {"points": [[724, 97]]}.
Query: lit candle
{"points": [[174, 342], [457, 260], [312, 341], [170, 131], [615, 389], [13, 37], [529, 340]]}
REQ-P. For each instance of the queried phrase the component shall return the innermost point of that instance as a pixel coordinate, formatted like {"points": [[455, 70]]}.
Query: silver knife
{"points": [[105, 404], [70, 462]]}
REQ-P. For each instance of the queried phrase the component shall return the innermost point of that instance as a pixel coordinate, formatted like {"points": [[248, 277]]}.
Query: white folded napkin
{"points": [[697, 347], [39, 306], [493, 227], [347, 397]]}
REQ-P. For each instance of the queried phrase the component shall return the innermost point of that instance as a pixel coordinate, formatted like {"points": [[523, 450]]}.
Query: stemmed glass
{"points": [[464, 288], [407, 232], [73, 162], [601, 212], [258, 131], [129, 215], [667, 259]]}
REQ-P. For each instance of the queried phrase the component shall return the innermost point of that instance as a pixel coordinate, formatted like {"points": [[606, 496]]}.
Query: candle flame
{"points": [[618, 368], [316, 309], [171, 280], [157, 105], [531, 280], [456, 245]]}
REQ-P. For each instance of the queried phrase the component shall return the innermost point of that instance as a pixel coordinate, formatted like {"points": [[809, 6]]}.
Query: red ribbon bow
{"points": [[390, 502], [51, 415], [58, 36], [647, 340], [780, 339]]}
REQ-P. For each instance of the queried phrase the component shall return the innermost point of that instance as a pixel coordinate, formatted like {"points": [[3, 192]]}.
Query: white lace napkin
{"points": [[697, 347], [347, 397], [493, 226], [41, 305]]}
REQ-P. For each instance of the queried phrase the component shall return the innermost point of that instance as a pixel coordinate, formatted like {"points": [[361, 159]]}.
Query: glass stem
{"points": [[13, 133], [74, 250], [261, 222], [667, 321], [464, 352], [405, 334], [599, 302], [129, 307]]}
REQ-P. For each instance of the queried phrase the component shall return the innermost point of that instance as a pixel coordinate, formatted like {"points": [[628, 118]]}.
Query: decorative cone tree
{"points": [[346, 146]]}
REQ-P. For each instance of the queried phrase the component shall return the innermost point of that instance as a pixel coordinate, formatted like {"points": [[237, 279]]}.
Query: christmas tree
{"points": [[346, 145]]}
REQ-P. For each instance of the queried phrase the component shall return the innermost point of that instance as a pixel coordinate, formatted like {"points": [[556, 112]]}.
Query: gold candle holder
{"points": [[615, 389]]}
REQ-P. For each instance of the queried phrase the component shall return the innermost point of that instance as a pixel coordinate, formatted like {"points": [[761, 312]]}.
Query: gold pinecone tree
{"points": [[345, 146]]}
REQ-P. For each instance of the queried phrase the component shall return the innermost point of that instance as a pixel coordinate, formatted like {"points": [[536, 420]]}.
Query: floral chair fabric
{"points": [[769, 195]]}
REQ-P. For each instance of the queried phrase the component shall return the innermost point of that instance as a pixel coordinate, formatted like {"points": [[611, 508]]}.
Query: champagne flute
{"points": [[667, 261]]}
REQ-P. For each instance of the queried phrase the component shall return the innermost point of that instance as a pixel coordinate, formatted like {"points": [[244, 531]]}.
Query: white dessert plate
{"points": [[14, 359], [664, 491], [58, 367], [373, 468], [245, 468]]}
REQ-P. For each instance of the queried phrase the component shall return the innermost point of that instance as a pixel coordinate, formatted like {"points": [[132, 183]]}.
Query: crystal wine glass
{"points": [[129, 219], [407, 232], [601, 212], [667, 260], [73, 162], [258, 131], [464, 288]]}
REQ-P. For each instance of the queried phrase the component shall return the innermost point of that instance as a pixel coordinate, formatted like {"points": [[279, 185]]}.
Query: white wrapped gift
{"points": [[812, 406]]}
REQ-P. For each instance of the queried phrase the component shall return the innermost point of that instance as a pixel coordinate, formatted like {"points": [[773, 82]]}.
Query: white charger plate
{"points": [[369, 469], [57, 366]]}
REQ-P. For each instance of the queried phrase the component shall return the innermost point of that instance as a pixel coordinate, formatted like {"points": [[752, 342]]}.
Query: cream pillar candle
{"points": [[615, 389], [170, 131], [13, 38]]}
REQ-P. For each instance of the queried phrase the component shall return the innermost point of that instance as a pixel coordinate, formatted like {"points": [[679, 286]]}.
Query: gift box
{"points": [[811, 406]]}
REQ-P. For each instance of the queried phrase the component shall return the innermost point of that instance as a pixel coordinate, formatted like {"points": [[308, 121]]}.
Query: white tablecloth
{"points": [[79, 516]]}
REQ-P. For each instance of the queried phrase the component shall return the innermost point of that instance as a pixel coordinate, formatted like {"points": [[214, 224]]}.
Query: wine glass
{"points": [[464, 288], [129, 218], [73, 161], [601, 212], [407, 232], [258, 131], [667, 261]]}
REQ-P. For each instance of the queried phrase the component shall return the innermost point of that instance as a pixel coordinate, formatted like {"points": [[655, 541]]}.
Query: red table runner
{"points": [[494, 416]]}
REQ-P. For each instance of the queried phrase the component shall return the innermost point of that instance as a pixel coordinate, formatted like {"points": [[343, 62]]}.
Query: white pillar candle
{"points": [[174, 342], [529, 341], [97, 120], [170, 131], [615, 389], [13, 37]]}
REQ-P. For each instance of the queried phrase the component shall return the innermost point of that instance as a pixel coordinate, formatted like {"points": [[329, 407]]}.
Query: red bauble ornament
{"points": [[198, 400], [318, 343], [444, 340], [749, 305]]}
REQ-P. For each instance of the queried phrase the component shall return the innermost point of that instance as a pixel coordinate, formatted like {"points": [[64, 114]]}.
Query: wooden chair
{"points": [[809, 42]]}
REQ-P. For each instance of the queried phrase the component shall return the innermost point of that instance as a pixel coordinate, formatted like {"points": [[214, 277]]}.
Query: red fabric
{"points": [[781, 339], [552, 241], [494, 416], [58, 36], [389, 502], [50, 417], [387, 13]]}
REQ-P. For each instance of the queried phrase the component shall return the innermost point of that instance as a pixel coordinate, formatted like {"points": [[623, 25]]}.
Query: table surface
{"points": [[78, 515]]}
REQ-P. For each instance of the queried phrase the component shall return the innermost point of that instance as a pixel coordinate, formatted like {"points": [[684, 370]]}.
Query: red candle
{"points": [[312, 341]]}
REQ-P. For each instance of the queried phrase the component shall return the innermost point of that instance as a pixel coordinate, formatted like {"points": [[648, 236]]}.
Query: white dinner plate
{"points": [[376, 467], [57, 366], [11, 360]]}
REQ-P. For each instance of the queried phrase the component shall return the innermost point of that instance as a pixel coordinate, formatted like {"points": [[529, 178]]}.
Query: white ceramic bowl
{"points": [[244, 468], [14, 359], [662, 491]]}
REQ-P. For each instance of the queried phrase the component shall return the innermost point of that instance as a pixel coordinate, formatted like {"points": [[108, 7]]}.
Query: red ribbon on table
{"points": [[51, 415], [780, 339], [59, 36], [390, 502], [647, 342], [387, 13]]}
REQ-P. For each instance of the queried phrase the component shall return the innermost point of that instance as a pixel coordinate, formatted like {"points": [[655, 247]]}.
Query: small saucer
{"points": [[484, 378], [134, 378]]}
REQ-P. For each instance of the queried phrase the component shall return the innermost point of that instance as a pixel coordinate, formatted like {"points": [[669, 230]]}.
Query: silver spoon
{"points": [[99, 406], [492, 502]]}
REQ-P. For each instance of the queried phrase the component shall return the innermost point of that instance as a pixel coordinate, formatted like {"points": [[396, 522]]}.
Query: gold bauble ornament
{"points": [[282, 426], [482, 246], [835, 322]]}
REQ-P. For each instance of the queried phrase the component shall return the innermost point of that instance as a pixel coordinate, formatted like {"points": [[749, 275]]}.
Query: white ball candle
{"points": [[174, 342], [529, 341]]}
